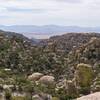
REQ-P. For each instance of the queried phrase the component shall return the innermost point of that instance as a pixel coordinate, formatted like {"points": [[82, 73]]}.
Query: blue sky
{"points": [[43, 12]]}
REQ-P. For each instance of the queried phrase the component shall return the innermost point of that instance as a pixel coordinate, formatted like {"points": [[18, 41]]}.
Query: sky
{"points": [[48, 12]]}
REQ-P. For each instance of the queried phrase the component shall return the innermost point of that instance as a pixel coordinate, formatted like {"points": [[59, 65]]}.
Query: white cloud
{"points": [[39, 12]]}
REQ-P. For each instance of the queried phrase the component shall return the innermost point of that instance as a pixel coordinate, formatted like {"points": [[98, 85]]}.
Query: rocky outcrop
{"points": [[35, 76], [44, 79], [42, 96]]}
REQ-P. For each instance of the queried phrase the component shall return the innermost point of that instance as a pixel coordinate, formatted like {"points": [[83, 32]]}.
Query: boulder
{"points": [[94, 96], [35, 76], [47, 80]]}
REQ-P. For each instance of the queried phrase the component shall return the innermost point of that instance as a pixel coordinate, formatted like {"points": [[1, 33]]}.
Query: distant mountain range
{"points": [[46, 30]]}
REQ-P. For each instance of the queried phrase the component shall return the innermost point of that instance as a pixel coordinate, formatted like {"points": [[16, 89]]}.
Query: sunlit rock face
{"points": [[94, 96], [35, 76]]}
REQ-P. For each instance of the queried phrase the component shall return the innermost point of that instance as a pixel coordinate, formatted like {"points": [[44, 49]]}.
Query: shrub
{"points": [[8, 95]]}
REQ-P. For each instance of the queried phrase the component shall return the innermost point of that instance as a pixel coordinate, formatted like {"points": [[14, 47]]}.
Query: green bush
{"points": [[18, 98], [55, 98]]}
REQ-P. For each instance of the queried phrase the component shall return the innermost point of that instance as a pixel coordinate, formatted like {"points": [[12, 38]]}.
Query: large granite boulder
{"points": [[47, 80], [94, 96], [35, 76]]}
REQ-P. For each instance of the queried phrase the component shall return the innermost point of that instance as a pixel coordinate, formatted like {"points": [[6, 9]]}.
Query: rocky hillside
{"points": [[69, 41], [21, 55], [70, 63], [17, 35]]}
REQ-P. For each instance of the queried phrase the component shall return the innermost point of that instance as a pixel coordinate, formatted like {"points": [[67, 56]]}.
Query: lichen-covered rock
{"points": [[84, 78], [35, 76], [84, 74]]}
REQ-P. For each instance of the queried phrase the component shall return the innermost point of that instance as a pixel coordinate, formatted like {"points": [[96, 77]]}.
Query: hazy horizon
{"points": [[46, 31]]}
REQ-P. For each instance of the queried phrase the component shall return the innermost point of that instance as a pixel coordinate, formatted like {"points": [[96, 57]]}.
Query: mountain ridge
{"points": [[46, 30]]}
